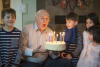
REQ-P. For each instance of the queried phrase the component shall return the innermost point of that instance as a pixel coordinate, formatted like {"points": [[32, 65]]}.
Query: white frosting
{"points": [[55, 46]]}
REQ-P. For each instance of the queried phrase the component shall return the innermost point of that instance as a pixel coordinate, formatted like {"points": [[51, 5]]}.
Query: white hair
{"points": [[41, 12]]}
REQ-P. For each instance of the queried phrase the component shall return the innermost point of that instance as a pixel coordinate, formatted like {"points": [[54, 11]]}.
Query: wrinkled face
{"points": [[89, 23], [42, 21], [90, 36], [9, 20], [70, 24]]}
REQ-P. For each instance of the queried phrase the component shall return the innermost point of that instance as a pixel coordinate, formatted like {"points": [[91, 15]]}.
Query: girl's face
{"points": [[90, 36], [89, 23]]}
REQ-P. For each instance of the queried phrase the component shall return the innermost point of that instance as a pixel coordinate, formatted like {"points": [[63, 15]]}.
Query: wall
{"points": [[31, 6], [0, 10], [25, 12], [97, 7], [58, 10], [16, 4], [30, 11], [40, 4]]}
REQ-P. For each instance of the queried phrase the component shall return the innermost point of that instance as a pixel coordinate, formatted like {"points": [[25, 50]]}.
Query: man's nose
{"points": [[44, 20]]}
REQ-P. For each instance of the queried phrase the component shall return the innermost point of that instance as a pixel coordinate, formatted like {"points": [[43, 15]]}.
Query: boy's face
{"points": [[9, 20], [89, 23], [70, 23]]}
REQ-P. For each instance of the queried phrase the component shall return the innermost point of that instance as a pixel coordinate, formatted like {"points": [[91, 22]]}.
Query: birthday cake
{"points": [[55, 46]]}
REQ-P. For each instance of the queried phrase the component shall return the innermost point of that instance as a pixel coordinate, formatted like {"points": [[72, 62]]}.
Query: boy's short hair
{"points": [[72, 16], [8, 11], [95, 31]]}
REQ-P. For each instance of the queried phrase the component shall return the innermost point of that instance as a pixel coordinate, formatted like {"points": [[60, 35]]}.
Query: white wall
{"points": [[29, 14], [24, 16], [0, 10], [16, 4]]}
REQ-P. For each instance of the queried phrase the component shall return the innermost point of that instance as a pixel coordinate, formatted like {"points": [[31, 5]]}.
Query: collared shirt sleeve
{"points": [[25, 35], [25, 39]]}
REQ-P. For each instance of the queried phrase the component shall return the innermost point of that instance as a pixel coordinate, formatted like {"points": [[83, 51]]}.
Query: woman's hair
{"points": [[93, 17], [95, 31], [8, 11]]}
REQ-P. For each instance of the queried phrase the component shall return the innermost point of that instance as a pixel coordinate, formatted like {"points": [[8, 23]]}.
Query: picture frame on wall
{"points": [[6, 4]]}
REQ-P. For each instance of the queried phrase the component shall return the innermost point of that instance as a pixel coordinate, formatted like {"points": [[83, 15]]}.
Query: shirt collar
{"points": [[35, 26]]}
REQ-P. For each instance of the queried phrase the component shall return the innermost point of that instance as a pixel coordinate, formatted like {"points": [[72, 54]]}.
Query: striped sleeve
{"points": [[0, 62], [0, 53], [19, 53]]}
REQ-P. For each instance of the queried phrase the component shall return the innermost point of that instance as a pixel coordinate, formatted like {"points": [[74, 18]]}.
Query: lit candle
{"points": [[63, 35], [49, 37], [60, 37], [53, 35], [56, 37]]}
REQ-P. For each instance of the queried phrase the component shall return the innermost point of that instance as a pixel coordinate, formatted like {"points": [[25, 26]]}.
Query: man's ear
{"points": [[76, 22]]}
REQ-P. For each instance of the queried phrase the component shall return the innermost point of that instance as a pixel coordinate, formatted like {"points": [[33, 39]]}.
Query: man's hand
{"points": [[37, 49], [14, 65], [54, 54]]}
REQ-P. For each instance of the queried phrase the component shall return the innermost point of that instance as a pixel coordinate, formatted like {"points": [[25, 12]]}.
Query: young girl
{"points": [[92, 55], [91, 20]]}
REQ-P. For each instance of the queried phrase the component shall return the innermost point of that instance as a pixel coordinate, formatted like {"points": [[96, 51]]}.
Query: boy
{"points": [[10, 40], [73, 39]]}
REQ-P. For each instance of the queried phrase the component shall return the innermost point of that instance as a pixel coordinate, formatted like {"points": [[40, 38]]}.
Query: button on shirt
{"points": [[34, 39]]}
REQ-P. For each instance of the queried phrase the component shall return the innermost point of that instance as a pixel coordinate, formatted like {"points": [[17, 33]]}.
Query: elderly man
{"points": [[34, 37]]}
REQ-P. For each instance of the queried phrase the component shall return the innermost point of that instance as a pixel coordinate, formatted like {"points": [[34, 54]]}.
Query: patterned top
{"points": [[10, 47], [90, 55]]}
